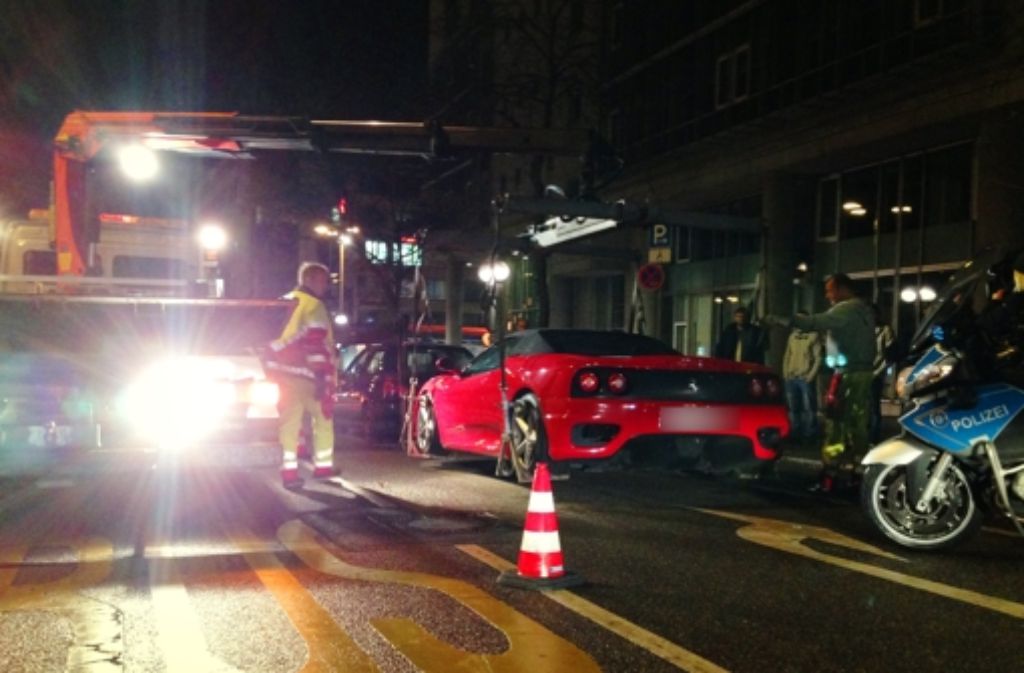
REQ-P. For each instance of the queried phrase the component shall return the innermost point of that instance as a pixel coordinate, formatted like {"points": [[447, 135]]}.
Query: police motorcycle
{"points": [[961, 447]]}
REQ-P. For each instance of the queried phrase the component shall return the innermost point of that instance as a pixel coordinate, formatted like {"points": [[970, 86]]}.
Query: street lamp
{"points": [[344, 240], [138, 162], [213, 238]]}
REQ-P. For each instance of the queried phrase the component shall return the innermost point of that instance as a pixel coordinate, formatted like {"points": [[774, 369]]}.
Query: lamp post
{"points": [[212, 240], [344, 239]]}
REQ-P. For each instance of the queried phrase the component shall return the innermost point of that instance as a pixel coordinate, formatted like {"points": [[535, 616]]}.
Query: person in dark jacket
{"points": [[850, 351], [741, 341]]}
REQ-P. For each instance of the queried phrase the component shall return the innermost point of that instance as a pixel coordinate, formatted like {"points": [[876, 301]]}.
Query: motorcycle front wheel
{"points": [[950, 518]]}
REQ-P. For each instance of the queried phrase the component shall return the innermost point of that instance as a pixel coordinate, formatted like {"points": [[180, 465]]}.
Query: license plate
{"points": [[697, 419]]}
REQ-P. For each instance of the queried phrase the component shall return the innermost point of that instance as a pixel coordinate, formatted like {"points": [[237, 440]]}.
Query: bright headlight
{"points": [[901, 382], [175, 403], [925, 377]]}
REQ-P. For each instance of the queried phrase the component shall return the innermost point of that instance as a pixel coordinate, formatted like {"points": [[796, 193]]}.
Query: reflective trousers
{"points": [[846, 435], [298, 398]]}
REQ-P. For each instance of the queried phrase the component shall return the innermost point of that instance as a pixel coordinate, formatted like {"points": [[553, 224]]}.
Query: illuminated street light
{"points": [[926, 293], [850, 206], [212, 237], [908, 295], [496, 272], [343, 240], [138, 163]]}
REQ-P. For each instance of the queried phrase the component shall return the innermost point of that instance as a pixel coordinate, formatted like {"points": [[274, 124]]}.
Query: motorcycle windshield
{"points": [[957, 293]]}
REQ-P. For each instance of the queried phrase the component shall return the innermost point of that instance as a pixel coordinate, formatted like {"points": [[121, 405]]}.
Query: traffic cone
{"points": [[540, 553]]}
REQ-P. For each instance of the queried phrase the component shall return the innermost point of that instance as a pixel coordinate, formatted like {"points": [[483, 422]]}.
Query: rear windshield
{"points": [[422, 360], [113, 329], [586, 342]]}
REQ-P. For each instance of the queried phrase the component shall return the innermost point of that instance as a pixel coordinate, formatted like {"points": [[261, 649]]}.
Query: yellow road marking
{"points": [[532, 647], [788, 537], [179, 632], [655, 644], [98, 643], [330, 647]]}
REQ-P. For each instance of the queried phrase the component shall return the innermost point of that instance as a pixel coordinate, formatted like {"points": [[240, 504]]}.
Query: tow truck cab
{"points": [[161, 253]]}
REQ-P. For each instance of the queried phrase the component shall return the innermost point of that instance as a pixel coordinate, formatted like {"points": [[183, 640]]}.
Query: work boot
{"points": [[290, 479], [324, 472]]}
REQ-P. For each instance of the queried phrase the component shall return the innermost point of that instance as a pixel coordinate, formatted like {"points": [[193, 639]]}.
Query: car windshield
{"points": [[421, 360], [591, 342], [958, 292]]}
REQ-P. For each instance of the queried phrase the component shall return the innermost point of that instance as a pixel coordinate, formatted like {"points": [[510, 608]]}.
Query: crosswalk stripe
{"points": [[532, 647], [330, 647], [179, 632]]}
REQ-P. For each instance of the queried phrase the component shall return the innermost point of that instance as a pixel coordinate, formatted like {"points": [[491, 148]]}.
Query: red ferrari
{"points": [[576, 396]]}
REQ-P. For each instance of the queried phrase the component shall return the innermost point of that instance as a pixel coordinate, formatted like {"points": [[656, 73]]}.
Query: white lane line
{"points": [[660, 647], [179, 632]]}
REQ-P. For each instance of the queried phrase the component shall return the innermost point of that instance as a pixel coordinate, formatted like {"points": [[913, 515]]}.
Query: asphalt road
{"points": [[393, 568]]}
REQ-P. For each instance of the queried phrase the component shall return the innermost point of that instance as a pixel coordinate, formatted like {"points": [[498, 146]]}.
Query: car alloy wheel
{"points": [[425, 437], [528, 439]]}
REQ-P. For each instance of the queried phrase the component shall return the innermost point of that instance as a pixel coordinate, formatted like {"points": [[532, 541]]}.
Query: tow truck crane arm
{"points": [[84, 134]]}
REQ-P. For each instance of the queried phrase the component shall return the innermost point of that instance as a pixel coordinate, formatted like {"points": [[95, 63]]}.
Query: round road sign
{"points": [[651, 276]]}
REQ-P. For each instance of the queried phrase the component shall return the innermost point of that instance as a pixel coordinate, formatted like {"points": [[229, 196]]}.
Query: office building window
{"points": [[930, 189]]}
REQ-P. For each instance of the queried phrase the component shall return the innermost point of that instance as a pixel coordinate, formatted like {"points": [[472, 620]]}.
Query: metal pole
{"points": [[341, 276]]}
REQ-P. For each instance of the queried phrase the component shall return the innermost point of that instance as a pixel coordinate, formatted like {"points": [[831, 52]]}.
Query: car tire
{"points": [[529, 441], [424, 438]]}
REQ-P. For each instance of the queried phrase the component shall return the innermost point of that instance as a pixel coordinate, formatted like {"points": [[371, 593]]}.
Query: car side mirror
{"points": [[446, 365]]}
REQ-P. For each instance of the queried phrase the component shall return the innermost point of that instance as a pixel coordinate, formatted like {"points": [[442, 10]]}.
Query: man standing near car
{"points": [[800, 367], [302, 359], [850, 351], [741, 341]]}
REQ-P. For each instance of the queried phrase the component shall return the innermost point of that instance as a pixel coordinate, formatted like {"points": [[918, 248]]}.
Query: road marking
{"points": [[653, 643], [179, 632], [789, 537], [98, 643], [330, 647], [532, 647], [1001, 531]]}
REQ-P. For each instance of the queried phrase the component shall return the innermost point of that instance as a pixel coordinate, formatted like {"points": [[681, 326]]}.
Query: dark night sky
{"points": [[342, 59]]}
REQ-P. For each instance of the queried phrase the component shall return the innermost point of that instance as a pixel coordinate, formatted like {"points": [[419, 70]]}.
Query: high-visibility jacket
{"points": [[306, 346]]}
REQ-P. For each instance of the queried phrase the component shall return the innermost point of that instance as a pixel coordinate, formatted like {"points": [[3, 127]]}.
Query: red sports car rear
{"points": [[576, 396]]}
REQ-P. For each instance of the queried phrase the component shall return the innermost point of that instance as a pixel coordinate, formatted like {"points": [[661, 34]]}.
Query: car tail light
{"points": [[390, 388], [617, 383], [773, 387], [756, 387], [264, 394], [588, 382]]}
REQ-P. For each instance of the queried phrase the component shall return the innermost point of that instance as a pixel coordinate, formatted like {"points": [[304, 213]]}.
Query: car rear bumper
{"points": [[594, 429], [253, 443]]}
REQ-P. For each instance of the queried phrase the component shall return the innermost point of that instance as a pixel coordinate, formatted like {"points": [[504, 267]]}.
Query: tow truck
{"points": [[114, 334]]}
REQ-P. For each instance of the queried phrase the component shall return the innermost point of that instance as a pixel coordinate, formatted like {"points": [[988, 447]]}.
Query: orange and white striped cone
{"points": [[540, 554]]}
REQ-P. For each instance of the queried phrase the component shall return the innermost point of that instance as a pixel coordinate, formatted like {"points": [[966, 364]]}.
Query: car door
{"points": [[469, 412], [353, 384]]}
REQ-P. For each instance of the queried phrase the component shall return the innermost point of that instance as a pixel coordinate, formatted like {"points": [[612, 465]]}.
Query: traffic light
{"points": [[339, 212]]}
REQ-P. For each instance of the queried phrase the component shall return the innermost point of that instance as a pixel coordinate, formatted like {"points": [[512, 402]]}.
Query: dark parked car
{"points": [[373, 389]]}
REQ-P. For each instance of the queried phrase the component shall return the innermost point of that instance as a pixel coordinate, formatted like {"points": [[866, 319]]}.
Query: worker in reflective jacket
{"points": [[302, 361]]}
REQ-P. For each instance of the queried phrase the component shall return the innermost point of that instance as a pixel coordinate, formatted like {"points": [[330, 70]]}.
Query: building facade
{"points": [[879, 138], [876, 138]]}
